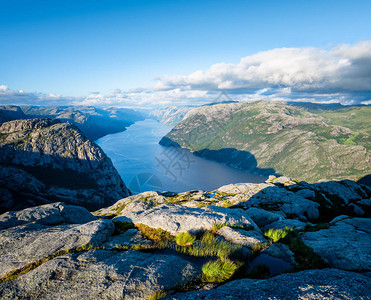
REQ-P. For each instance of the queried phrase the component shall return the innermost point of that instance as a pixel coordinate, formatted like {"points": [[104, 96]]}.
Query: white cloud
{"points": [[341, 74], [346, 68]]}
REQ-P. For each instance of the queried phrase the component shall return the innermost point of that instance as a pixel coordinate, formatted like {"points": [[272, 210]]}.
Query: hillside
{"points": [[276, 137], [44, 160], [94, 122]]}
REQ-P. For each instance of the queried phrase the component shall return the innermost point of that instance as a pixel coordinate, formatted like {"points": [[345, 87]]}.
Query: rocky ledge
{"points": [[44, 160], [253, 241]]}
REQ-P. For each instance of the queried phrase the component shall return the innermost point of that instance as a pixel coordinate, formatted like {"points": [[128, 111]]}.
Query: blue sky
{"points": [[76, 48]]}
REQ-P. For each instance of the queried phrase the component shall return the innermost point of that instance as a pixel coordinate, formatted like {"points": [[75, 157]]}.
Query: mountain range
{"points": [[306, 141]]}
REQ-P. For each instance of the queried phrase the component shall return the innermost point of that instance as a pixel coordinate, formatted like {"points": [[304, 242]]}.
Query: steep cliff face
{"points": [[65, 164], [306, 143], [170, 116], [94, 122]]}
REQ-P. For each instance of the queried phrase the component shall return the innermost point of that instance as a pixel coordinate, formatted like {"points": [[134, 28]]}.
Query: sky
{"points": [[179, 52]]}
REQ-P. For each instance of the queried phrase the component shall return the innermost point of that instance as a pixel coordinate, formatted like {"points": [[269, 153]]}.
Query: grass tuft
{"points": [[160, 237], [157, 295], [209, 245], [218, 271], [277, 234], [185, 239]]}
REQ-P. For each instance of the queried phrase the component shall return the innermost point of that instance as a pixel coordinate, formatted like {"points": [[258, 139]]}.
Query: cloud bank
{"points": [[341, 74]]}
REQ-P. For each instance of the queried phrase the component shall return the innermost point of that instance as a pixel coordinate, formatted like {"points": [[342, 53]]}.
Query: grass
{"points": [[216, 227], [277, 234], [185, 239], [209, 245], [120, 208], [159, 237], [157, 295], [218, 271]]}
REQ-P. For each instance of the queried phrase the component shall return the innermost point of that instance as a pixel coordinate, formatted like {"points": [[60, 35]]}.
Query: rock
{"points": [[24, 244], [101, 274], [365, 202], [279, 199], [129, 238], [262, 217], [281, 251], [62, 162], [345, 245], [289, 223], [178, 218], [241, 237], [309, 284], [48, 214], [306, 193], [357, 210], [338, 218], [345, 191], [135, 203], [284, 180]]}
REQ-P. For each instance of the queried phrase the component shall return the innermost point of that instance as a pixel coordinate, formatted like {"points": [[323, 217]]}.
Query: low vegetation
{"points": [[185, 239], [157, 295], [219, 270], [277, 234], [209, 245]]}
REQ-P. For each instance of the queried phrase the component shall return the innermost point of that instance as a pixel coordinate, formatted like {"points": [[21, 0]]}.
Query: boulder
{"points": [[289, 223], [345, 245], [281, 251], [241, 237], [48, 214], [24, 244], [101, 274], [178, 218], [309, 284], [279, 199], [134, 203], [128, 238], [262, 217], [345, 191]]}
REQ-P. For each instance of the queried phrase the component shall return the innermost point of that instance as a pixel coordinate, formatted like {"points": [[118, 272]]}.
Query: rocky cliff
{"points": [[282, 239], [170, 116], [308, 143], [94, 122], [45, 160]]}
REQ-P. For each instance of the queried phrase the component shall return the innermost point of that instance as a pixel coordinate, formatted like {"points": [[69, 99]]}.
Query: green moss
{"points": [[120, 208]]}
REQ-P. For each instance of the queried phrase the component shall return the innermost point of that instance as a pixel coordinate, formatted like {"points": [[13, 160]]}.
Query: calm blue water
{"points": [[145, 165]]}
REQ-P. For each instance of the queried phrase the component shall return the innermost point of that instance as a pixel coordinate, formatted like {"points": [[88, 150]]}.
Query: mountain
{"points": [[281, 239], [94, 122], [45, 160], [170, 116], [11, 112], [305, 142]]}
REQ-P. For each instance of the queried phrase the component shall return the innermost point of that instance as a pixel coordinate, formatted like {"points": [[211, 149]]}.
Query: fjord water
{"points": [[145, 165]]}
